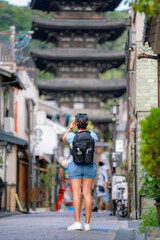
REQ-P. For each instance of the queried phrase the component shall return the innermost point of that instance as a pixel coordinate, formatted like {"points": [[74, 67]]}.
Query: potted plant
{"points": [[150, 156], [48, 182]]}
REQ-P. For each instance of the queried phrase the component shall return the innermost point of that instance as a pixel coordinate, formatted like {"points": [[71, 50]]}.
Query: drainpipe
{"points": [[30, 180], [135, 173], [133, 126], [5, 203]]}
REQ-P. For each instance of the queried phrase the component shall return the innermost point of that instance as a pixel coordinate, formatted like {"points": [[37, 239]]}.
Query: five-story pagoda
{"points": [[76, 62]]}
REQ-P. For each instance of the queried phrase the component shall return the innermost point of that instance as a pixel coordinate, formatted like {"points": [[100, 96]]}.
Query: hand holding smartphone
{"points": [[72, 124]]}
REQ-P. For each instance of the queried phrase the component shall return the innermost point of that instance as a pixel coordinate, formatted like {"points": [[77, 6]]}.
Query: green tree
{"points": [[150, 147], [150, 7], [149, 185], [18, 16]]}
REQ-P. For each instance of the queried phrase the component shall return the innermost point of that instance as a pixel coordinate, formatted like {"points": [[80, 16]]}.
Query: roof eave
{"points": [[52, 24], [9, 138], [11, 78], [78, 56]]}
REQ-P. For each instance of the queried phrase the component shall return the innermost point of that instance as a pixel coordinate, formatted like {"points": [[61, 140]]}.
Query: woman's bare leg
{"points": [[106, 206], [87, 194], [76, 190], [100, 203]]}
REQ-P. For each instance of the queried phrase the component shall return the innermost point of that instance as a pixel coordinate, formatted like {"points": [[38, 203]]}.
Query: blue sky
{"points": [[26, 2]]}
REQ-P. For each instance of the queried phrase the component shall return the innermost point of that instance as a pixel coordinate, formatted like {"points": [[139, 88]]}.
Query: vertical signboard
{"points": [[119, 182], [119, 145]]}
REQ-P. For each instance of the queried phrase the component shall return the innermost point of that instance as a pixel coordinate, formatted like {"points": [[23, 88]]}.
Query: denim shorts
{"points": [[106, 197], [82, 171]]}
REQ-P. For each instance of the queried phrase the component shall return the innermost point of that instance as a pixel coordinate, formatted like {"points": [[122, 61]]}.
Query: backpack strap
{"points": [[83, 132]]}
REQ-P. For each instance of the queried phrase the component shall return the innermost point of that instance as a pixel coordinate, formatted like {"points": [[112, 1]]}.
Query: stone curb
{"points": [[8, 214]]}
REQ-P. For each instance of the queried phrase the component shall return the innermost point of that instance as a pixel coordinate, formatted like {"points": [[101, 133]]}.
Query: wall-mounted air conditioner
{"points": [[9, 124]]}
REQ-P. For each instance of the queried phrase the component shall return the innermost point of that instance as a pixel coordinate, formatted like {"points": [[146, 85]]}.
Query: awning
{"points": [[10, 77], [9, 138]]}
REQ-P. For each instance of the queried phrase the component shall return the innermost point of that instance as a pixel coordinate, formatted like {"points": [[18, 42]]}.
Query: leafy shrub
{"points": [[150, 147], [150, 8], [149, 219], [48, 182], [149, 185]]}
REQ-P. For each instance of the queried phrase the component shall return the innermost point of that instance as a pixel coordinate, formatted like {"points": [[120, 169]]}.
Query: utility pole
{"points": [[113, 163], [12, 44], [114, 111], [12, 34]]}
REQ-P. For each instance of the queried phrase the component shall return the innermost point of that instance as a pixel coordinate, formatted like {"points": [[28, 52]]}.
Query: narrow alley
{"points": [[53, 225]]}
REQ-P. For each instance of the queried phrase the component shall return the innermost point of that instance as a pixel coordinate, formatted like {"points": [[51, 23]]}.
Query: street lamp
{"points": [[114, 108], [128, 21]]}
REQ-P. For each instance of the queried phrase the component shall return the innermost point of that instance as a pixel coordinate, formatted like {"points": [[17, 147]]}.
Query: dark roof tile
{"points": [[83, 84], [78, 53]]}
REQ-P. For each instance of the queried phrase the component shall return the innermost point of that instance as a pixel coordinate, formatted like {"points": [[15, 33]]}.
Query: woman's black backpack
{"points": [[83, 148]]}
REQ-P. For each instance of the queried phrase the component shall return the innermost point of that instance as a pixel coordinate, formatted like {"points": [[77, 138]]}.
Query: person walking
{"points": [[82, 169], [105, 160], [102, 181]]}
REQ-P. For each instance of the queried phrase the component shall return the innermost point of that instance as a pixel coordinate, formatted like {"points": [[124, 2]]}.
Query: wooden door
{"points": [[23, 184]]}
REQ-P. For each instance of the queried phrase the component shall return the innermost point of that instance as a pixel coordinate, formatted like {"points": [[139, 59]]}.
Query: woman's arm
{"points": [[72, 125], [105, 186]]}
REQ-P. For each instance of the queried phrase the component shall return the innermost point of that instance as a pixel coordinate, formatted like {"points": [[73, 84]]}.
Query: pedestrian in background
{"points": [[105, 158], [102, 181], [106, 197], [81, 174]]}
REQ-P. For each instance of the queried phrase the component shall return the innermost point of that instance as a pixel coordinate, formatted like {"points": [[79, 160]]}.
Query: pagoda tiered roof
{"points": [[102, 30], [76, 5], [102, 59], [87, 91], [114, 87], [78, 54]]}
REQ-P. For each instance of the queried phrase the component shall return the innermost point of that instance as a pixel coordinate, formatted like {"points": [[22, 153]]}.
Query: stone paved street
{"points": [[53, 225]]}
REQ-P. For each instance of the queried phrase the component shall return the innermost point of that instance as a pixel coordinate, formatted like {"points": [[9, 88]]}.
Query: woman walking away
{"points": [[82, 169], [102, 184]]}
